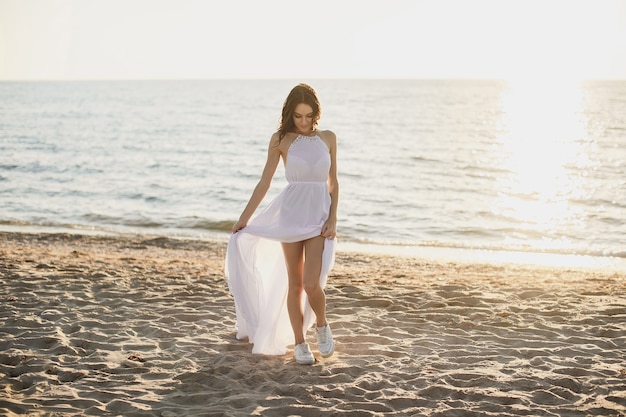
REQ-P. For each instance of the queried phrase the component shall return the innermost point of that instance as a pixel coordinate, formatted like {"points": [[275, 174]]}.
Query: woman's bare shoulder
{"points": [[283, 143], [276, 137], [289, 136], [328, 136]]}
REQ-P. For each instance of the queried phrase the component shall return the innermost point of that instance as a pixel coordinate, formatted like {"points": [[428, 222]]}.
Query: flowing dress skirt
{"points": [[255, 264]]}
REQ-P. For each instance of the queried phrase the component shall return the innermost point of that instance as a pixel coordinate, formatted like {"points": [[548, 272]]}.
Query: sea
{"points": [[520, 171]]}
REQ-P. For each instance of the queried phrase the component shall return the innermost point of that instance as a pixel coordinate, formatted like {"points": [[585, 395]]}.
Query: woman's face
{"points": [[303, 118]]}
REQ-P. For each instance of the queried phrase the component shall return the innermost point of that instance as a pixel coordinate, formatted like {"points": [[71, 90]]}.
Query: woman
{"points": [[278, 262]]}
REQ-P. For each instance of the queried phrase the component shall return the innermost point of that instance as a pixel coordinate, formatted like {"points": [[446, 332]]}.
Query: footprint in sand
{"points": [[134, 361], [51, 315]]}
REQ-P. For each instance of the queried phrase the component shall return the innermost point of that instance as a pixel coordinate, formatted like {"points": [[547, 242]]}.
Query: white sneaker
{"points": [[302, 354], [325, 342]]}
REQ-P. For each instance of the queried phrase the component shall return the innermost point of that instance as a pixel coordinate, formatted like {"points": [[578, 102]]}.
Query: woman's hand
{"points": [[329, 229], [238, 226]]}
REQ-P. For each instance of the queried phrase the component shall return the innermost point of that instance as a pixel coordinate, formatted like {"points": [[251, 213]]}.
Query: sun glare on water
{"points": [[543, 151]]}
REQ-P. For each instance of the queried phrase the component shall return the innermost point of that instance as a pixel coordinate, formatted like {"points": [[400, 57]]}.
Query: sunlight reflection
{"points": [[542, 141]]}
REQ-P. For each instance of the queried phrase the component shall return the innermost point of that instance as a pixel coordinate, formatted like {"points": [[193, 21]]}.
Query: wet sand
{"points": [[144, 326]]}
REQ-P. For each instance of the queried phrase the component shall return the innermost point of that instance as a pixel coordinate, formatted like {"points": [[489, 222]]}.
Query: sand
{"points": [[144, 326]]}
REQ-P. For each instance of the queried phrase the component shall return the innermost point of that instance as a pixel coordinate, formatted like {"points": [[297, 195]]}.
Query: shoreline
{"points": [[427, 253]]}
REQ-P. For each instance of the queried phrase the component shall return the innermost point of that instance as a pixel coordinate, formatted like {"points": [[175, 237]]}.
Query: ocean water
{"points": [[452, 165]]}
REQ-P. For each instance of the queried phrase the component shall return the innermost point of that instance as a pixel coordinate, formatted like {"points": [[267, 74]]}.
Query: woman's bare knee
{"points": [[312, 287], [296, 288]]}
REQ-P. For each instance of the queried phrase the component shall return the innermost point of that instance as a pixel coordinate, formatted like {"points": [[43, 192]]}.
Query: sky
{"points": [[194, 39]]}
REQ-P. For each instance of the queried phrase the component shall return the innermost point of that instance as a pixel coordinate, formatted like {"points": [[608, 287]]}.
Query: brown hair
{"points": [[302, 93]]}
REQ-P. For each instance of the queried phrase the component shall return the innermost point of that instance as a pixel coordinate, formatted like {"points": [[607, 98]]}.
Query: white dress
{"points": [[255, 265]]}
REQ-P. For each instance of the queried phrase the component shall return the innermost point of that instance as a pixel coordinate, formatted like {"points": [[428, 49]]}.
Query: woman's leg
{"points": [[294, 258], [304, 265], [313, 249]]}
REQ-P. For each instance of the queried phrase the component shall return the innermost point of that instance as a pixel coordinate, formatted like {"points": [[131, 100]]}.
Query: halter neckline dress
{"points": [[255, 265]]}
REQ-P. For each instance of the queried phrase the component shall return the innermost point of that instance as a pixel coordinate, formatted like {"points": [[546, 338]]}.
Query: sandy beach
{"points": [[144, 326]]}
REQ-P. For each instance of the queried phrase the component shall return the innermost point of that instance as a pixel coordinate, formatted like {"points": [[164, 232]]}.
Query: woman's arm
{"points": [[329, 230], [273, 157]]}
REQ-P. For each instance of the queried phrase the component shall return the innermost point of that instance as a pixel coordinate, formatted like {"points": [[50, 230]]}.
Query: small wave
{"points": [[425, 159], [483, 170], [19, 226], [95, 221], [599, 202], [105, 224], [137, 221], [8, 167], [205, 224], [349, 174], [144, 197], [593, 252], [15, 223]]}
